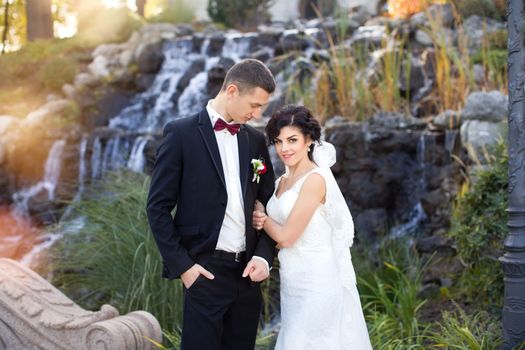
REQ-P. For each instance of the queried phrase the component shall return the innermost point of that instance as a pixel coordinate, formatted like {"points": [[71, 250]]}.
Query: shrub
{"points": [[479, 226], [457, 330], [55, 73], [114, 259], [174, 11], [240, 14], [487, 8]]}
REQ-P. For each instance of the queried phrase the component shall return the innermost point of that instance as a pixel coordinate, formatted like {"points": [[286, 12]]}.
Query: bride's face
{"points": [[292, 145]]}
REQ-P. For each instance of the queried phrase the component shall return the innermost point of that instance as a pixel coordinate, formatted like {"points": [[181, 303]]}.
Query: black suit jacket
{"points": [[188, 175]]}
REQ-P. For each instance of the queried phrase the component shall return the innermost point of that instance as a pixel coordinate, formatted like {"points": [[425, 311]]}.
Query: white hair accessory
{"points": [[324, 154]]}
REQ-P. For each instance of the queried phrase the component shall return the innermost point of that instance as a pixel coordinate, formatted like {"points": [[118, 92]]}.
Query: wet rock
{"points": [[216, 75], [216, 44], [195, 68], [292, 42], [371, 224], [143, 81], [449, 119], [149, 57], [369, 36], [436, 243], [431, 201]]}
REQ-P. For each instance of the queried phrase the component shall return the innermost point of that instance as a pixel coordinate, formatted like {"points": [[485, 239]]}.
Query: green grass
{"points": [[389, 289], [114, 258], [460, 331]]}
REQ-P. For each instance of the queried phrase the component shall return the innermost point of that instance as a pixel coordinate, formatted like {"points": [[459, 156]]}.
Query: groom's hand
{"points": [[190, 276], [256, 269]]}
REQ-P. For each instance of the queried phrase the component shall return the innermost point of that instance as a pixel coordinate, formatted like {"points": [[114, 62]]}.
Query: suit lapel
{"points": [[208, 135], [243, 144]]}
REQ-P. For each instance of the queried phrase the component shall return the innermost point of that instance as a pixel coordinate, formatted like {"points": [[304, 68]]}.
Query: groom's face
{"points": [[242, 107]]}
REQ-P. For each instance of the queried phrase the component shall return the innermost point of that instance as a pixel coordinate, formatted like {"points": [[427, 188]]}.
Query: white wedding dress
{"points": [[320, 306]]}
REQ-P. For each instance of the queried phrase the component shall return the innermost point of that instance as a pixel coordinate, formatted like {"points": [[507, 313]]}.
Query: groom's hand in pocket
{"points": [[190, 276]]}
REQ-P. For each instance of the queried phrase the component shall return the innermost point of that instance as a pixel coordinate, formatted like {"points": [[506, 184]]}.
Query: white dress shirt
{"points": [[232, 234]]}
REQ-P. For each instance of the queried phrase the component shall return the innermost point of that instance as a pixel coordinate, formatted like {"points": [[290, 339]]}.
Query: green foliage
{"points": [[56, 73], [495, 59], [390, 301], [50, 62], [240, 14], [114, 258], [174, 11], [487, 8], [459, 331], [479, 227]]}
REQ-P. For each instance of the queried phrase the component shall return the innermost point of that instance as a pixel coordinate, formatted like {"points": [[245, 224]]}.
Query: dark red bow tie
{"points": [[221, 125]]}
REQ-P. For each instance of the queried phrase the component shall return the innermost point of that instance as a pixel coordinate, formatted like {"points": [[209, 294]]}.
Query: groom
{"points": [[204, 169]]}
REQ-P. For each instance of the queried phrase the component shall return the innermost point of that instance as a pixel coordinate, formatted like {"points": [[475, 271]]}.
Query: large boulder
{"points": [[479, 136], [486, 106]]}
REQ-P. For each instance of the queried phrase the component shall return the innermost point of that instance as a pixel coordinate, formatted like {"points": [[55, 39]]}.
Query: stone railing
{"points": [[35, 315]]}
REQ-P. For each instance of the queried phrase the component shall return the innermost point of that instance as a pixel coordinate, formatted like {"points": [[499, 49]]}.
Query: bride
{"points": [[312, 225]]}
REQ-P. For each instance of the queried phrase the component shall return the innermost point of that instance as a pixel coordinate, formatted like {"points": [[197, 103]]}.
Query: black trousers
{"points": [[223, 313]]}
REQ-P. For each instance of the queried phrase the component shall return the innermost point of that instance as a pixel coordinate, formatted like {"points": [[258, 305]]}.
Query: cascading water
{"points": [[82, 168], [19, 233], [136, 160], [165, 100], [152, 109], [48, 183], [416, 215]]}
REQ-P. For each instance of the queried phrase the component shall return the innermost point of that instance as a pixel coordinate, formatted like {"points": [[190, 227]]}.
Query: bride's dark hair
{"points": [[293, 115]]}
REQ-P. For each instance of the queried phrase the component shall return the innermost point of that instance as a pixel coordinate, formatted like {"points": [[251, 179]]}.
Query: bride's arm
{"points": [[311, 195]]}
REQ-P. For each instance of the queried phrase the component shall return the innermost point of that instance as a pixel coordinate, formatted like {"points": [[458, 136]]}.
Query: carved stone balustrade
{"points": [[35, 315]]}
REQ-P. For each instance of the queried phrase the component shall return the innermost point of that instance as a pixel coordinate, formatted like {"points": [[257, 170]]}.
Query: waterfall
{"points": [[109, 155], [237, 46], [96, 159], [165, 100], [416, 216], [48, 183], [137, 160], [153, 108], [82, 163]]}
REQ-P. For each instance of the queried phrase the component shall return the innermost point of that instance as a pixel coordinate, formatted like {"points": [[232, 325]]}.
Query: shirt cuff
{"points": [[268, 268]]}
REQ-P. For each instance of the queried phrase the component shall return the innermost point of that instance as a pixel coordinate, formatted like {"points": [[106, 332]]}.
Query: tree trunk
{"points": [[39, 20], [140, 6], [6, 26]]}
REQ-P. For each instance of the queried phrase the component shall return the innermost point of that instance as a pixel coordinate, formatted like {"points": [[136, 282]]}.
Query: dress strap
{"points": [[305, 176]]}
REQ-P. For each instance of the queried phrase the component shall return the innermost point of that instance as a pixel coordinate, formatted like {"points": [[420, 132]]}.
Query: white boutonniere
{"points": [[259, 168]]}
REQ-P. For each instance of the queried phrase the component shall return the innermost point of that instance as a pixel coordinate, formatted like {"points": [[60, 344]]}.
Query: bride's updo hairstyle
{"points": [[297, 116]]}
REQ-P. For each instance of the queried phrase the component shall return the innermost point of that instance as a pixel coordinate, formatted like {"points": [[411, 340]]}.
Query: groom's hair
{"points": [[249, 74], [297, 116]]}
